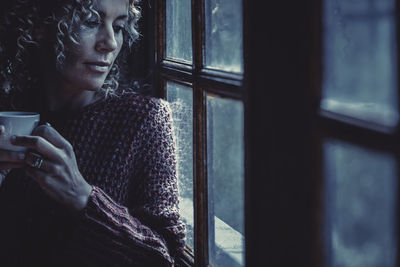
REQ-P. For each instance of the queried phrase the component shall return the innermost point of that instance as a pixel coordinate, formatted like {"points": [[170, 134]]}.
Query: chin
{"points": [[93, 85]]}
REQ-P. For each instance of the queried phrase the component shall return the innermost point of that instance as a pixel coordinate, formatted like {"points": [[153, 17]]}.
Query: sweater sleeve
{"points": [[149, 230]]}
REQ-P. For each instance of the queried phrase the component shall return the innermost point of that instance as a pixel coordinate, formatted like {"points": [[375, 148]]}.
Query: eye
{"points": [[119, 28], [92, 23]]}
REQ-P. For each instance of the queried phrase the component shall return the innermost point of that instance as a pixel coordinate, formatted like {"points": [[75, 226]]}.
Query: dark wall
{"points": [[141, 61], [278, 49]]}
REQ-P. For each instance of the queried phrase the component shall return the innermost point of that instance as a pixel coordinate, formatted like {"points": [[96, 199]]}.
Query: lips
{"points": [[98, 66]]}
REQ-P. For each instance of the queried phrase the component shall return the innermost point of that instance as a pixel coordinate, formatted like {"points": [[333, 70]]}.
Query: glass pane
{"points": [[225, 162], [179, 29], [224, 44], [360, 207], [181, 103], [360, 59]]}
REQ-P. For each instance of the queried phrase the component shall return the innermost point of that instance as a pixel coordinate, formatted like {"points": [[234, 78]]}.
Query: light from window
{"points": [[179, 30], [360, 58], [360, 206], [180, 98], [225, 162], [224, 43]]}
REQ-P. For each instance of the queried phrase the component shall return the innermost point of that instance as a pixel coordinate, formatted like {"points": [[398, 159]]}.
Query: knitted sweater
{"points": [[125, 149]]}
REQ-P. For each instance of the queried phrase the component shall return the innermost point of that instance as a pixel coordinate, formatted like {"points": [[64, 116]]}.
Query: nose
{"points": [[106, 41]]}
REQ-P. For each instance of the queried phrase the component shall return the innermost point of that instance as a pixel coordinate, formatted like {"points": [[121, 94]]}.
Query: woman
{"points": [[97, 186]]}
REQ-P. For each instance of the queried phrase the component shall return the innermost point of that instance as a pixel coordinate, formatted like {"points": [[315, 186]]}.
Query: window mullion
{"points": [[199, 137], [200, 178], [198, 39]]}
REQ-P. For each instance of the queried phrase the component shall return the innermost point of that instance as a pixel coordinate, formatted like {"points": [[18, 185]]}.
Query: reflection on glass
{"points": [[179, 29], [181, 98], [224, 43], [360, 207], [360, 59], [225, 163]]}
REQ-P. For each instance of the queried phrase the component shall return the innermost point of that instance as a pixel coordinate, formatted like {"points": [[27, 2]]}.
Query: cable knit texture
{"points": [[125, 150]]}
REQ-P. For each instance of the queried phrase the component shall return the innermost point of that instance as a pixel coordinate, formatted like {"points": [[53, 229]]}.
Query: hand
{"points": [[9, 160], [58, 174]]}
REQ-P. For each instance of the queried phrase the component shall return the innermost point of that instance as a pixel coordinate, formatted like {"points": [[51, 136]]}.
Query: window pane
{"points": [[225, 162], [360, 59], [179, 29], [360, 207], [224, 43], [181, 99]]}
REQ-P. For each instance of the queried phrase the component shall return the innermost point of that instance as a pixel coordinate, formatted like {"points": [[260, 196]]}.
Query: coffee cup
{"points": [[16, 123]]}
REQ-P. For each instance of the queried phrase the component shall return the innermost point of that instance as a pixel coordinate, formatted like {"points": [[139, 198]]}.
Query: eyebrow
{"points": [[121, 17]]}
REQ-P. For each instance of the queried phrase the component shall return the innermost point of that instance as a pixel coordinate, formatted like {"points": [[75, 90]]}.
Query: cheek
{"points": [[120, 43], [86, 42]]}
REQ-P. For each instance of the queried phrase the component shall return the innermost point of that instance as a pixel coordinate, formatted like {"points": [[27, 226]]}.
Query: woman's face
{"points": [[100, 41]]}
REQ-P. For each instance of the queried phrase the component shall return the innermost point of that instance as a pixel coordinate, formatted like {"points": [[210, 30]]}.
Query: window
{"points": [[359, 71], [200, 70], [359, 174], [322, 124], [317, 96]]}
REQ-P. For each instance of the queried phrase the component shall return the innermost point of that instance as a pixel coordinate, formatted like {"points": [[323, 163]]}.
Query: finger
{"points": [[12, 156], [37, 143], [46, 166], [6, 166], [51, 135], [2, 129]]}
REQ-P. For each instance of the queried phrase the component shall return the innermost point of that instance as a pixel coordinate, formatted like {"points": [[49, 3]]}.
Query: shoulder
{"points": [[140, 111], [139, 102], [149, 103], [147, 107]]}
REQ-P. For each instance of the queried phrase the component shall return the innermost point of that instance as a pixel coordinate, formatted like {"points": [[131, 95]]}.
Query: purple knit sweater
{"points": [[125, 150]]}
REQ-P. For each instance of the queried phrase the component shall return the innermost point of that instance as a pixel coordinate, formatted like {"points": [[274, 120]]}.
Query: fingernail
{"points": [[45, 123]]}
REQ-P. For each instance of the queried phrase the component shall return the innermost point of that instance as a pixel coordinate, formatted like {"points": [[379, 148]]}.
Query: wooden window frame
{"points": [[202, 80], [281, 55]]}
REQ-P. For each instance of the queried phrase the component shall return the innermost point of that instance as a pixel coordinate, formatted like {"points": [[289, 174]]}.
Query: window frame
{"points": [[281, 59], [202, 80], [283, 148], [283, 167]]}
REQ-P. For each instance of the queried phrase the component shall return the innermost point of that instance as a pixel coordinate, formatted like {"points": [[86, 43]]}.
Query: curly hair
{"points": [[20, 24]]}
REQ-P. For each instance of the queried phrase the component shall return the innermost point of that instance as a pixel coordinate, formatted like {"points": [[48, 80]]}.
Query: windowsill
{"points": [[367, 111], [227, 239]]}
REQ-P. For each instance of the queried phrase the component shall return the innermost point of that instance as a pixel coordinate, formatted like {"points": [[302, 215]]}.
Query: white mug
{"points": [[16, 123]]}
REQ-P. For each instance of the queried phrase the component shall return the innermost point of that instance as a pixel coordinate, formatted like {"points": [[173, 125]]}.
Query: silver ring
{"points": [[37, 160]]}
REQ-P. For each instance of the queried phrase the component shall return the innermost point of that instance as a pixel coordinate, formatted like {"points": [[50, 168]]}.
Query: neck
{"points": [[69, 101], [64, 97]]}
